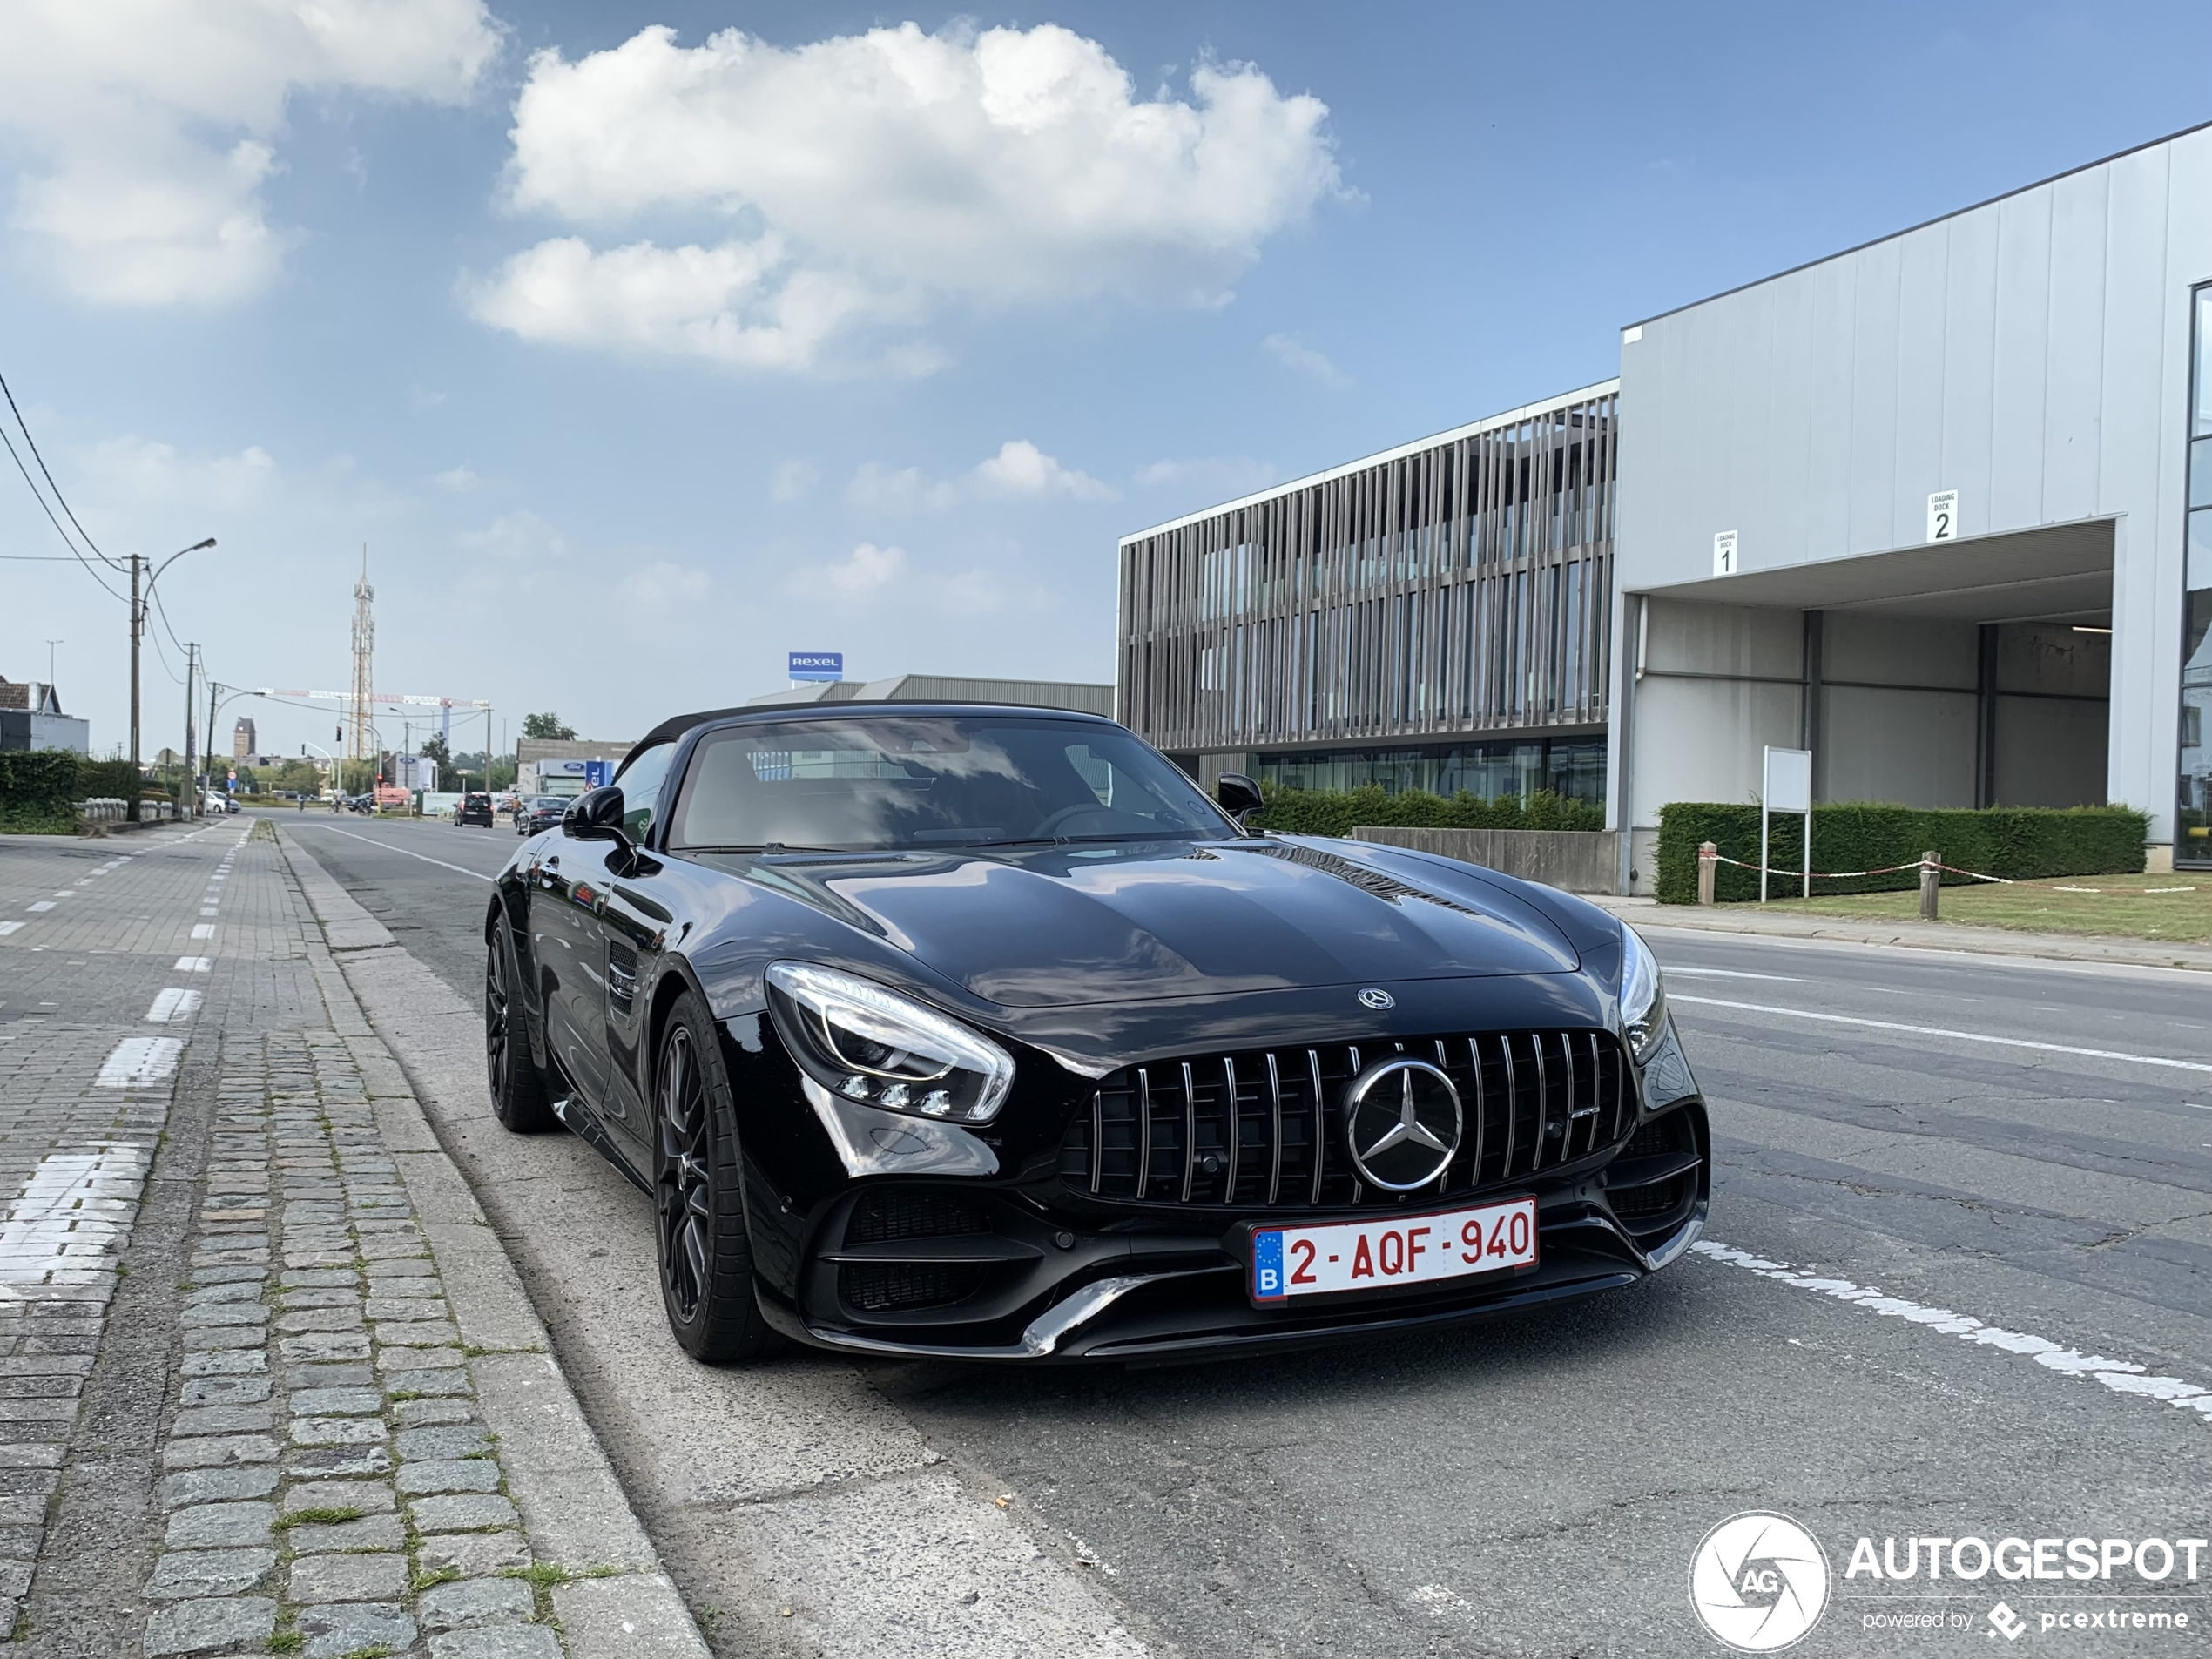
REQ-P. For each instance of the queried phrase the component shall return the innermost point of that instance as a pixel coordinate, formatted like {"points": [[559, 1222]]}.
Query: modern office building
{"points": [[1938, 508], [1437, 617]]}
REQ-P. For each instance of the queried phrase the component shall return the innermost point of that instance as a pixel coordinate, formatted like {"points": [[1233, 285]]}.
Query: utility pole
{"points": [[138, 619], [359, 743], [192, 711]]}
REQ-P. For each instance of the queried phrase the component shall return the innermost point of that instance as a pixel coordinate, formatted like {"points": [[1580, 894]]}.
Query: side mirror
{"points": [[1238, 796], [595, 815]]}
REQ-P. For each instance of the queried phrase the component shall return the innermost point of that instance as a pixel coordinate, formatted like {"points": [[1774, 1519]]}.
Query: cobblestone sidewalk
{"points": [[330, 1487], [291, 1442]]}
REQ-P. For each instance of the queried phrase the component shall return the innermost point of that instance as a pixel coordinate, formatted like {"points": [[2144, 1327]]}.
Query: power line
{"points": [[50, 519], [25, 426]]}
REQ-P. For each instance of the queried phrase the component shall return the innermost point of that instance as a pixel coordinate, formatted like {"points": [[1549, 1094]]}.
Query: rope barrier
{"points": [[1948, 869]]}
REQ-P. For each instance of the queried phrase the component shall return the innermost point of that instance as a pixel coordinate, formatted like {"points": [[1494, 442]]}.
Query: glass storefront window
{"points": [[2193, 812], [1573, 767]]}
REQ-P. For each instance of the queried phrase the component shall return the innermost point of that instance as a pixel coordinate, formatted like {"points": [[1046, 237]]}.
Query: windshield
{"points": [[869, 783]]}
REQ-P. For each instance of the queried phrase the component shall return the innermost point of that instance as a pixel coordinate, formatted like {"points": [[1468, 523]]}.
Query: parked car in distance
{"points": [[473, 809], [539, 813]]}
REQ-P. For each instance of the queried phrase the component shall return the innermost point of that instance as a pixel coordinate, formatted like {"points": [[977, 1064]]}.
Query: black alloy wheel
{"points": [[517, 1092], [706, 1257]]}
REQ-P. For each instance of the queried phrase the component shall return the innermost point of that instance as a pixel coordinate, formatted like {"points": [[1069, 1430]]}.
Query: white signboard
{"points": [[1943, 515], [1787, 787], [1788, 780], [1724, 553]]}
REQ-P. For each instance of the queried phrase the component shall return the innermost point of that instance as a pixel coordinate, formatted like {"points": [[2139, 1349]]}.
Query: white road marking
{"points": [[7, 927], [203, 930], [137, 1062], [2121, 1376], [193, 965], [1961, 1036], [1730, 973], [173, 1005], [210, 911], [72, 1216], [389, 847], [44, 904]]}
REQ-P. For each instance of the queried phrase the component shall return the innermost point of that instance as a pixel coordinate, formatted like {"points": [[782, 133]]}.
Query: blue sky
{"points": [[638, 362]]}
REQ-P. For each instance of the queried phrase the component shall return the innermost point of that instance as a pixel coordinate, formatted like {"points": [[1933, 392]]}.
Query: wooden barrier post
{"points": [[1931, 881], [1708, 869]]}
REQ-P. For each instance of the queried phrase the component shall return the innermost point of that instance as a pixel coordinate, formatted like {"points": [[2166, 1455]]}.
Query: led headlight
{"points": [[863, 1043], [1644, 995]]}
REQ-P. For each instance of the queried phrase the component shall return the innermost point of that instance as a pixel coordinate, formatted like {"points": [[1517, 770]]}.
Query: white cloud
{"points": [[794, 479], [1020, 471], [663, 583], [457, 480], [854, 183], [154, 125], [143, 470], [1299, 357], [741, 304], [521, 537], [868, 568]]}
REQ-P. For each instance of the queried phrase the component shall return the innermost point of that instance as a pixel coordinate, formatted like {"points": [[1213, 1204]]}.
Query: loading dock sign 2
{"points": [[1943, 515]]}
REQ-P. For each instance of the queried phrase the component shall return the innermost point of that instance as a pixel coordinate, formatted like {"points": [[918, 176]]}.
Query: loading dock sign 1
{"points": [[1943, 515], [1724, 553]]}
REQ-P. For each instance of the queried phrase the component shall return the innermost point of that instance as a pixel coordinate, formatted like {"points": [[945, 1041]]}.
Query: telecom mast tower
{"points": [[360, 741]]}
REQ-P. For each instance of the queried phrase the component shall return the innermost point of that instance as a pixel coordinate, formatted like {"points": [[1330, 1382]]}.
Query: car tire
{"points": [[703, 1254], [518, 1097]]}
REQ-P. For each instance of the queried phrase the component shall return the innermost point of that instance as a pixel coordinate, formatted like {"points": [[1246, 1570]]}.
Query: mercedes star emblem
{"points": [[1402, 1118], [1374, 998]]}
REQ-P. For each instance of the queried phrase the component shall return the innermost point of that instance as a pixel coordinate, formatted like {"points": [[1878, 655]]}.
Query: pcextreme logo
{"points": [[1758, 1582]]}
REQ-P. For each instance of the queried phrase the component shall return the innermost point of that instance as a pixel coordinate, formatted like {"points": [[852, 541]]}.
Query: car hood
{"points": [[1067, 926]]}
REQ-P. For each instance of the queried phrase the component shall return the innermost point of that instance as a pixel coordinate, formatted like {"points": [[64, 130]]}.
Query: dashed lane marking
{"points": [[194, 965], [203, 930], [173, 1005], [7, 927], [139, 1062], [1959, 1036], [2121, 1376]]}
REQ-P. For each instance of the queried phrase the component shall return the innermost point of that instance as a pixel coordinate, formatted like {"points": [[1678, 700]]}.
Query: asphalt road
{"points": [[1958, 1198]]}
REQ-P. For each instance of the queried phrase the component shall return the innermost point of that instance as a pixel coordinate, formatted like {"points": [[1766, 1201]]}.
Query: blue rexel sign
{"points": [[817, 665], [597, 774]]}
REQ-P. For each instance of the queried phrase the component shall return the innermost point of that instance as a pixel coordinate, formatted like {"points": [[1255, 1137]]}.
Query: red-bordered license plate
{"points": [[1374, 1255]]}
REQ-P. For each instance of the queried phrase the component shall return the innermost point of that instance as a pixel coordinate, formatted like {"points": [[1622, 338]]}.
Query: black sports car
{"points": [[978, 1032]]}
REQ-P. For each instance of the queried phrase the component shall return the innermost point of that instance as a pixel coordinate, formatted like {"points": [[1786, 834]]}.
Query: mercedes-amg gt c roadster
{"points": [[979, 1032]]}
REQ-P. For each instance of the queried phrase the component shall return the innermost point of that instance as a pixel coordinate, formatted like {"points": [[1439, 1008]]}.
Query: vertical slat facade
{"points": [[1458, 589]]}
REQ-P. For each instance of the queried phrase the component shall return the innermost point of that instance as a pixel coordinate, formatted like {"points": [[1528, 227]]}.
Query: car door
{"points": [[568, 879], [633, 923]]}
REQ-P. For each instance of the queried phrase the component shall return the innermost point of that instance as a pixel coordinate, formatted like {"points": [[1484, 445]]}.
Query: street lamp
{"points": [[141, 596]]}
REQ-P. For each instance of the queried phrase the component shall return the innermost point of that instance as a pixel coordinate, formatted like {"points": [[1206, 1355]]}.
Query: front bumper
{"points": [[1008, 1255], [1195, 1313]]}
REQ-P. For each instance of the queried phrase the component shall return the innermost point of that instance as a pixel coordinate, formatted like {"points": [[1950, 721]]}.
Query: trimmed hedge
{"points": [[1334, 812], [38, 793], [104, 779], [2019, 842]]}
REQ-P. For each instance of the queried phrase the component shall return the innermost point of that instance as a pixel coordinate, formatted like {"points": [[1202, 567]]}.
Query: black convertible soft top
{"points": [[676, 726]]}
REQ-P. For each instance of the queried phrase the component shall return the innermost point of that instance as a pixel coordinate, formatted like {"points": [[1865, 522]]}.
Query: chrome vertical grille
{"points": [[1264, 1129]]}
